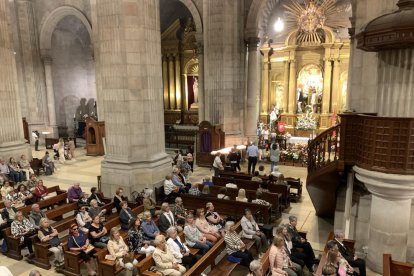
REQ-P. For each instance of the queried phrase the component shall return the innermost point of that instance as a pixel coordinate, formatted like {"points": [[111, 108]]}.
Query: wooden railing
{"points": [[323, 151]]}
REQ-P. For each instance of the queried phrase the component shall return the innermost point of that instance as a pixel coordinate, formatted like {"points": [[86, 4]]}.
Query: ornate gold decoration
{"points": [[193, 70]]}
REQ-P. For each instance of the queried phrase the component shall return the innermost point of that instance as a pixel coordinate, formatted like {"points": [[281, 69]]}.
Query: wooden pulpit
{"points": [[95, 131], [210, 137]]}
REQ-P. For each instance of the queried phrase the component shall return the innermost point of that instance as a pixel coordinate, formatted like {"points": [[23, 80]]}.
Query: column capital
{"points": [[387, 186], [252, 43]]}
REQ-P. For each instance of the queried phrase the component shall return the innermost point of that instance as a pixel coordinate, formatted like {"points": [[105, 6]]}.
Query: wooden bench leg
{"points": [[41, 258], [14, 249], [72, 265]]}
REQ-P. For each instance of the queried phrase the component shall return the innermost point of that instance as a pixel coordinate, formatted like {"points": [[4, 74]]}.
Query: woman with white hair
{"points": [[251, 231], [47, 233], [117, 248], [167, 218], [242, 196], [149, 228], [255, 268], [179, 249], [165, 261], [235, 246]]}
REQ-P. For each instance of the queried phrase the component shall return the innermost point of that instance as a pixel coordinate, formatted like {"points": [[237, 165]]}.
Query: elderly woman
{"points": [[14, 167], [22, 228], [213, 217], [24, 195], [149, 228], [6, 189], [118, 198], [210, 232], [255, 268], [13, 196], [194, 190], [117, 248], [149, 203], [280, 264], [125, 215], [194, 238], [48, 234], [83, 219], [251, 231], [136, 240], [167, 218], [94, 209], [242, 196], [179, 211], [235, 246], [217, 164], [179, 249], [97, 233], [164, 259], [79, 242], [40, 192], [25, 166]]}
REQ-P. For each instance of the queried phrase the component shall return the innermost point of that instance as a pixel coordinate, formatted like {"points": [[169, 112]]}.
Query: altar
{"points": [[298, 140]]}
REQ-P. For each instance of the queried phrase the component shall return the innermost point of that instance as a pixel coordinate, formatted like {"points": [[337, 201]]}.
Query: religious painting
{"points": [[309, 88], [192, 85]]}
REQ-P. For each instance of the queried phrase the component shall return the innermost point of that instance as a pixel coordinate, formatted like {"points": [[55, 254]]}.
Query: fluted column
{"points": [[165, 82], [47, 61], [11, 129], [336, 90], [390, 215], [129, 42], [292, 87], [326, 96], [265, 89], [201, 105], [253, 88], [177, 74], [286, 86], [171, 82]]}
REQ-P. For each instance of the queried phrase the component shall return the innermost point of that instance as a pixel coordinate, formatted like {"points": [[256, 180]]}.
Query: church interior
{"points": [[124, 94]]}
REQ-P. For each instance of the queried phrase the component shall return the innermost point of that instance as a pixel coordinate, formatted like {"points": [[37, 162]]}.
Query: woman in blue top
{"points": [[79, 242], [125, 215], [149, 229]]}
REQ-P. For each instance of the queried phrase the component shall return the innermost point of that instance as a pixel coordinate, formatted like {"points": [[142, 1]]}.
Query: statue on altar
{"points": [[274, 114], [195, 89]]}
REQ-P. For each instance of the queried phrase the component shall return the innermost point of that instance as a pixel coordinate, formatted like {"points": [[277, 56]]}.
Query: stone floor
{"points": [[85, 170]]}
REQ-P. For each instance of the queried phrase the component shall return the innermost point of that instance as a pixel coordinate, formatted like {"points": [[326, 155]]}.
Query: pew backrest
{"points": [[391, 268]]}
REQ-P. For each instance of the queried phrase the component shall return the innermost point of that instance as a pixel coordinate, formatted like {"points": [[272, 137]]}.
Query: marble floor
{"points": [[85, 170]]}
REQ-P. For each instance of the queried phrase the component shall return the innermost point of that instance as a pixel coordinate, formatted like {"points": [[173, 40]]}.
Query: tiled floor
{"points": [[85, 169]]}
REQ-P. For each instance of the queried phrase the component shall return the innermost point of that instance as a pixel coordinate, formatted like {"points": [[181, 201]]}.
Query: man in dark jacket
{"points": [[353, 260]]}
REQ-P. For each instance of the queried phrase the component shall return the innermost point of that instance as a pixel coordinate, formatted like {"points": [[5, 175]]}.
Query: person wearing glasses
{"points": [[79, 242]]}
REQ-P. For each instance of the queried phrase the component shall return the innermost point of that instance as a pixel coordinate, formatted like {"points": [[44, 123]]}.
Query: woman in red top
{"points": [[40, 192]]}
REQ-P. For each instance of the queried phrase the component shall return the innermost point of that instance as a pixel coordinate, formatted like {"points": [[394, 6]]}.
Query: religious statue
{"points": [[299, 100], [273, 116], [195, 89]]}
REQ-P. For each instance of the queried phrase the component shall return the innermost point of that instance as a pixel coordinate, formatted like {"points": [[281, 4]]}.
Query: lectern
{"points": [[210, 137], [95, 131]]}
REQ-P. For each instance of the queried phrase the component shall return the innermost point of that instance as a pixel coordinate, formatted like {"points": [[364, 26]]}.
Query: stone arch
{"points": [[52, 19], [258, 17], [196, 15]]}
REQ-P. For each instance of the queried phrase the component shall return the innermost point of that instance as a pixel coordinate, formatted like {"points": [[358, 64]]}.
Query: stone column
{"points": [[47, 61], [253, 87], [177, 74], [171, 82], [201, 105], [130, 49], [12, 141], [286, 86], [265, 88], [390, 214], [336, 90], [326, 96], [292, 87], [165, 82]]}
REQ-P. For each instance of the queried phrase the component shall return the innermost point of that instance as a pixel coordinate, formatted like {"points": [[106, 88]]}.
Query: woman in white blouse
{"points": [[251, 231], [83, 219], [118, 249], [179, 249]]}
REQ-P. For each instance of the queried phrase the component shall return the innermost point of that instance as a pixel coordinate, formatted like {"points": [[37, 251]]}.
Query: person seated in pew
{"points": [[164, 259], [32, 183], [167, 218], [194, 238], [8, 213], [149, 228], [259, 199], [275, 172], [48, 234], [83, 219], [299, 242], [22, 228], [125, 215], [255, 268], [256, 177], [118, 249], [15, 167], [235, 246], [342, 268], [171, 190], [184, 178], [210, 232], [223, 193], [262, 170], [6, 173], [6, 189], [280, 264], [177, 180], [149, 203], [79, 242], [329, 270], [205, 192], [185, 168], [118, 198], [97, 233], [179, 250], [179, 211], [74, 193], [353, 260], [24, 195], [94, 210], [40, 192], [194, 190], [296, 256], [136, 242], [83, 200], [263, 187], [272, 180], [213, 217], [250, 230], [281, 180], [36, 215], [13, 196], [95, 195], [25, 166], [242, 196], [48, 164]]}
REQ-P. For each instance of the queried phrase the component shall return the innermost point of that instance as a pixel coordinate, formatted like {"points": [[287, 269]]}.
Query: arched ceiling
{"points": [[171, 10], [72, 24]]}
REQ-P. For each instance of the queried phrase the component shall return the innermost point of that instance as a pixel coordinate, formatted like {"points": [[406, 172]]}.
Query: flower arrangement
{"points": [[295, 152], [306, 121]]}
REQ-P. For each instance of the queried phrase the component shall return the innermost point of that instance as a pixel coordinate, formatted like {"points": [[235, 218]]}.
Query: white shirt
{"points": [[252, 151], [175, 249], [217, 163], [265, 134]]}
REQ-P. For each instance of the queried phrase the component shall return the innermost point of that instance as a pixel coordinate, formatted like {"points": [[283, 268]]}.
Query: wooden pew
{"points": [[226, 207], [253, 185], [391, 268], [266, 262]]}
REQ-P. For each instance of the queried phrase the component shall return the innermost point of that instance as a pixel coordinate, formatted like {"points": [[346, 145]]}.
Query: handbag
{"points": [[88, 249]]}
